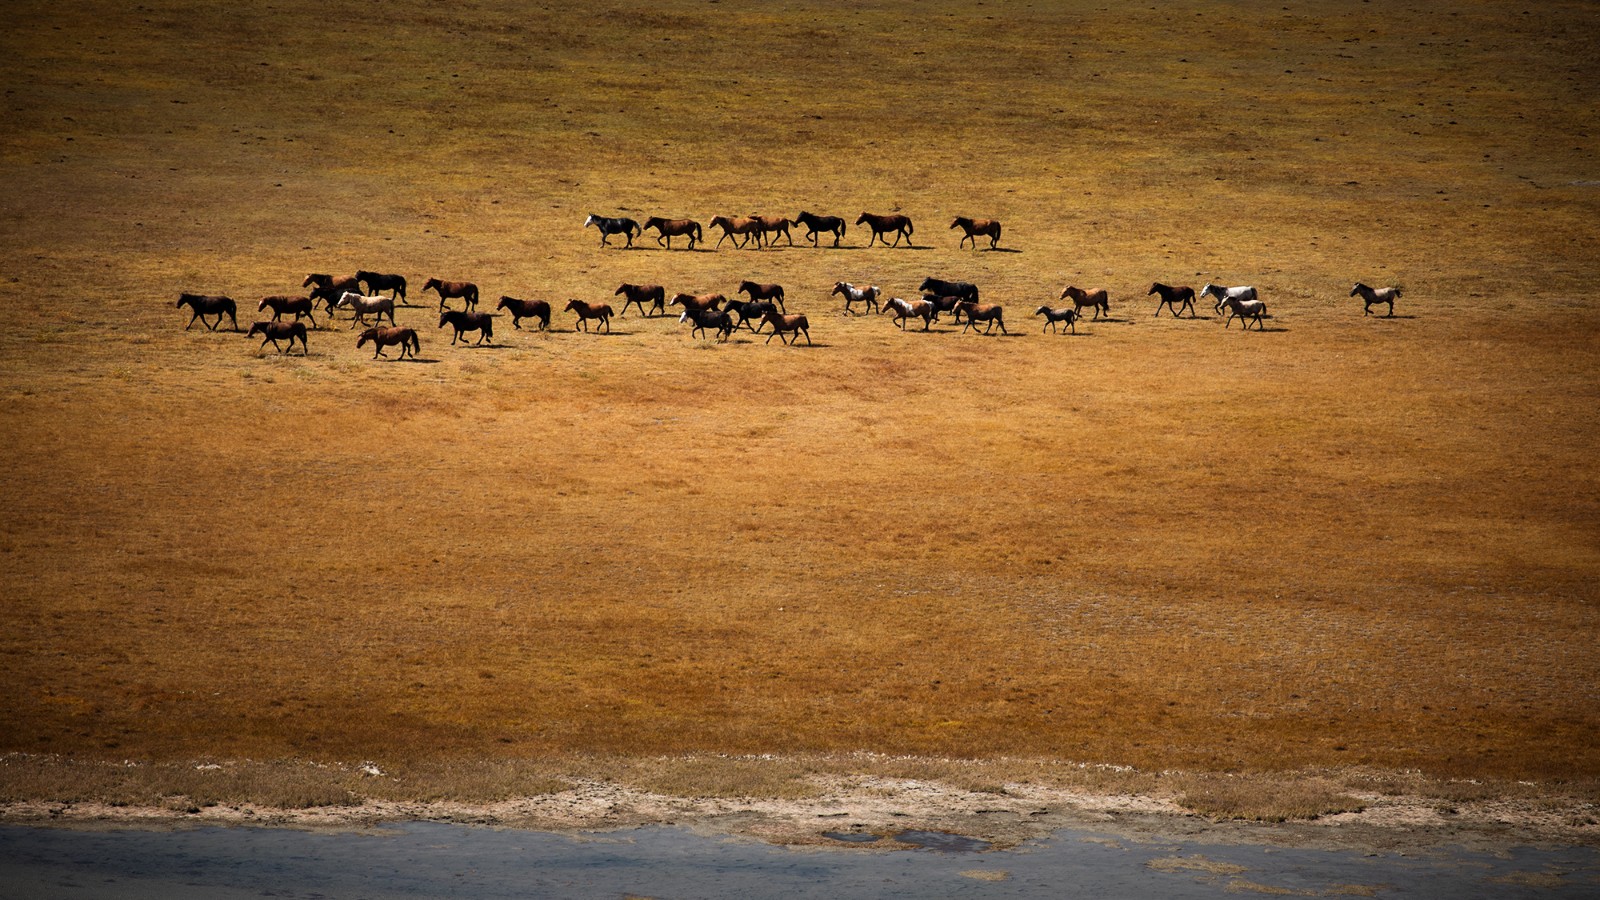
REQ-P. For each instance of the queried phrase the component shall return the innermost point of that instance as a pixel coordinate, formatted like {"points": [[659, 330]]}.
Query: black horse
{"points": [[463, 321], [751, 309], [814, 223], [208, 305], [373, 282], [964, 290], [620, 225]]}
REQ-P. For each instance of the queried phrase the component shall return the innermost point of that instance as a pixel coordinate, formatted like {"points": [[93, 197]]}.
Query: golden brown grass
{"points": [[1343, 542]]}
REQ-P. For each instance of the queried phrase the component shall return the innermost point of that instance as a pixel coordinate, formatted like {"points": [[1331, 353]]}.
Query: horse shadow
{"points": [[998, 250], [424, 360], [1381, 318]]}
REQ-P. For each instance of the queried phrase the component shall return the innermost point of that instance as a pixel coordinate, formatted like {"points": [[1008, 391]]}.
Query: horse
{"points": [[275, 331], [781, 323], [1067, 314], [607, 227], [364, 305], [964, 290], [763, 292], [382, 337], [1100, 300], [463, 322], [752, 309], [1244, 310], [524, 309], [638, 293], [329, 289], [989, 228], [375, 282], [989, 312], [853, 294], [814, 224], [906, 309], [671, 228], [1369, 296], [771, 225], [944, 303], [587, 311], [710, 318], [1227, 293], [1171, 296], [300, 306], [737, 227], [900, 225], [697, 302], [466, 290], [209, 305]]}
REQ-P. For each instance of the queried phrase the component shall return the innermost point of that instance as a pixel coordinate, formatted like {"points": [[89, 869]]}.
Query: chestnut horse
{"points": [[737, 227], [463, 322], [671, 228], [763, 292], [300, 306], [587, 311], [1371, 296], [813, 223], [376, 282], [638, 294], [1067, 314], [989, 228], [881, 225], [1175, 299], [697, 303], [906, 309], [1100, 300], [525, 309], [852, 294], [774, 225], [329, 289], [466, 290], [710, 318], [781, 323], [276, 331], [989, 312], [364, 306], [209, 305], [387, 336]]}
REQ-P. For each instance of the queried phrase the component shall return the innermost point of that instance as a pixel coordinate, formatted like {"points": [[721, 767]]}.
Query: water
{"points": [[432, 860]]}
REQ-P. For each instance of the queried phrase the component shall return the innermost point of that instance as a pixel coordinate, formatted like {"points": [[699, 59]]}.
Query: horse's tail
{"points": [[909, 227], [416, 343]]}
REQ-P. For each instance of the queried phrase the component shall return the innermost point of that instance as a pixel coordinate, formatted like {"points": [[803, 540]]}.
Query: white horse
{"points": [[907, 309], [365, 306], [1224, 294], [1369, 296], [853, 294], [1245, 310]]}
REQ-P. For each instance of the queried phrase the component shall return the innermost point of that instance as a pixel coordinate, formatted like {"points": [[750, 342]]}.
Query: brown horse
{"points": [[671, 228], [464, 322], [1174, 299], [275, 331], [587, 311], [525, 309], [908, 309], [763, 292], [945, 303], [774, 225], [466, 290], [814, 223], [300, 306], [375, 282], [737, 227], [1100, 300], [387, 336], [989, 228], [881, 225], [697, 303], [638, 294], [378, 307], [209, 305], [987, 312], [329, 289], [780, 323]]}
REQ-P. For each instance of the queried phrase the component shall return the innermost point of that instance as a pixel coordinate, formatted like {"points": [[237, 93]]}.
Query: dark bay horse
{"points": [[710, 318], [671, 228], [772, 226], [1175, 299], [275, 331], [300, 306], [209, 305], [763, 292], [738, 227], [526, 309], [463, 322], [375, 282], [881, 225], [466, 290], [1100, 300], [989, 228], [751, 309], [607, 227], [795, 325], [976, 313], [832, 224], [387, 336], [637, 294], [945, 303], [587, 311], [329, 289], [966, 290]]}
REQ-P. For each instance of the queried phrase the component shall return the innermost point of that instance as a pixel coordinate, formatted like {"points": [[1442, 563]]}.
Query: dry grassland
{"points": [[1341, 542]]}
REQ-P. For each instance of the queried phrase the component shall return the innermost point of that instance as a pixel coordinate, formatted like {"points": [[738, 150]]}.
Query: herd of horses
{"points": [[756, 232], [706, 313]]}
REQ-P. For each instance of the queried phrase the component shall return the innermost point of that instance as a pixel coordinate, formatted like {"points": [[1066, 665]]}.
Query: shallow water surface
{"points": [[433, 860]]}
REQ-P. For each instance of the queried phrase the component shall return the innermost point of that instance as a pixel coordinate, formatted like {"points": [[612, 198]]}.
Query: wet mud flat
{"points": [[433, 859]]}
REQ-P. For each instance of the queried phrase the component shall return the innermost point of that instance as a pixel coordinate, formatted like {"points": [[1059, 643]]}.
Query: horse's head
{"points": [[1358, 289], [505, 302], [256, 329], [371, 334], [1155, 288], [959, 220], [572, 304], [589, 221], [861, 218], [838, 287]]}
